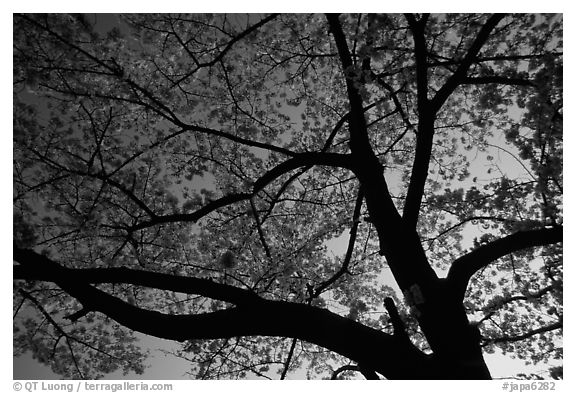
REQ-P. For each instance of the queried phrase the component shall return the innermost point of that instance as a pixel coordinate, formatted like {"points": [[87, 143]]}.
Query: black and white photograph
{"points": [[288, 196]]}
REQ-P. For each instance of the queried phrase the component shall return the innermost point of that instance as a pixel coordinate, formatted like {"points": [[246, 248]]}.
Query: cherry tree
{"points": [[345, 195]]}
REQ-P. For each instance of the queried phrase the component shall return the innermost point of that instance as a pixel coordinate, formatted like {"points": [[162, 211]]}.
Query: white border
{"points": [[297, 6]]}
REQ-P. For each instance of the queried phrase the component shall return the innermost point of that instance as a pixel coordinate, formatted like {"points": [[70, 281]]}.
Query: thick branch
{"points": [[259, 317], [420, 55], [409, 266], [348, 367], [464, 267], [397, 323], [34, 266], [425, 133], [368, 374], [359, 142]]}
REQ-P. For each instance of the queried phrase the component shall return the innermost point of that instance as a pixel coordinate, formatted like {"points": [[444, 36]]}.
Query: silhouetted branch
{"points": [[77, 315], [358, 131], [255, 316], [34, 266], [351, 242], [464, 267], [397, 323], [368, 374], [348, 367], [289, 358], [425, 130], [524, 336]]}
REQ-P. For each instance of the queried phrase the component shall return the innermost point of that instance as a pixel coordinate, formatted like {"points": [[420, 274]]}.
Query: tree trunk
{"points": [[454, 341]]}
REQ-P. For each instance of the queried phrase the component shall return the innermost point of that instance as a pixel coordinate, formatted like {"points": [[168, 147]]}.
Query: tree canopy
{"points": [[349, 195]]}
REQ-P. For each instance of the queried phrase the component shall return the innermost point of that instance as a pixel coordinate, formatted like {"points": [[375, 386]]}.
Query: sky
{"points": [[165, 367]]}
